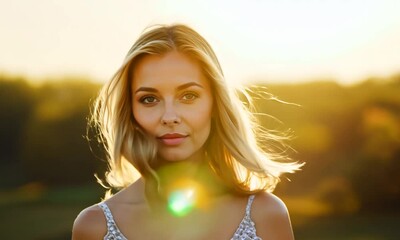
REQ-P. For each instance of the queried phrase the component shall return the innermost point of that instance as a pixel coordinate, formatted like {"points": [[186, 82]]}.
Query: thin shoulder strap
{"points": [[113, 231], [248, 207], [107, 214], [247, 228]]}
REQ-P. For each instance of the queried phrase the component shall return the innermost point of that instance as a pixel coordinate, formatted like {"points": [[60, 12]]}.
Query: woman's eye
{"points": [[189, 97], [148, 100]]}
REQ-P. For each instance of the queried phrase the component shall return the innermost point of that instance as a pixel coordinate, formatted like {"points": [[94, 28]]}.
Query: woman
{"points": [[183, 150]]}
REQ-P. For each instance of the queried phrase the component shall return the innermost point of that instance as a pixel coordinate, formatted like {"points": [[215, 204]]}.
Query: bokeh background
{"points": [[334, 65]]}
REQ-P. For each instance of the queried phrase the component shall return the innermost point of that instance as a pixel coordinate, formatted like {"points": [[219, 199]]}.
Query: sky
{"points": [[256, 40]]}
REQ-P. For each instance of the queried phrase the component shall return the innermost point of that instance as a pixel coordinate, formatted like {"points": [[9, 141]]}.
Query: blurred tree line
{"points": [[349, 137], [43, 132]]}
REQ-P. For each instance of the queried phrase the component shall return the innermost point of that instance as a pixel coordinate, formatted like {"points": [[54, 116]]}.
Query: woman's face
{"points": [[172, 101]]}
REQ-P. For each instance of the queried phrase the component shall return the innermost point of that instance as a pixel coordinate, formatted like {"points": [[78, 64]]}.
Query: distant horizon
{"points": [[255, 81]]}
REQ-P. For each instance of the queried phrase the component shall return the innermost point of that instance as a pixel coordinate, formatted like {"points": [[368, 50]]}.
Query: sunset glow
{"points": [[255, 40]]}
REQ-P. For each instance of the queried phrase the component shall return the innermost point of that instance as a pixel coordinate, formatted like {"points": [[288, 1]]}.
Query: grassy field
{"points": [[36, 213], [42, 214], [383, 227]]}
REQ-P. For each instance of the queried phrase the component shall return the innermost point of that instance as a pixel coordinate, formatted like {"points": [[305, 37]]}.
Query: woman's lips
{"points": [[172, 139]]}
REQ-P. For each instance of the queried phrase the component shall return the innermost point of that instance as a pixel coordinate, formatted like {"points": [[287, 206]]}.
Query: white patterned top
{"points": [[245, 231]]}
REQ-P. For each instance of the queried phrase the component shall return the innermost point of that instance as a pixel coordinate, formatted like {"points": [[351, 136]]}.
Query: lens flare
{"points": [[181, 202], [184, 196]]}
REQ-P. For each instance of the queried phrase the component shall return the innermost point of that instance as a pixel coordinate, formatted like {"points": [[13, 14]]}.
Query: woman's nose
{"points": [[170, 116]]}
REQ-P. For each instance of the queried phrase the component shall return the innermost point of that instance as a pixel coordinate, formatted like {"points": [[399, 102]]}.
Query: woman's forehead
{"points": [[171, 68]]}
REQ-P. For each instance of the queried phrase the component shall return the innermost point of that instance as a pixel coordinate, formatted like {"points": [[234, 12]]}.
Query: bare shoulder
{"points": [[89, 224], [268, 204], [271, 217], [134, 193]]}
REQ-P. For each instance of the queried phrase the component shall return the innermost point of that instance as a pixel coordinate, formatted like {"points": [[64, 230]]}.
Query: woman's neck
{"points": [[185, 186]]}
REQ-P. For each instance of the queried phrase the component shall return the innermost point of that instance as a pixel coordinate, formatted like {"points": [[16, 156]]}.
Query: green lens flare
{"points": [[181, 202]]}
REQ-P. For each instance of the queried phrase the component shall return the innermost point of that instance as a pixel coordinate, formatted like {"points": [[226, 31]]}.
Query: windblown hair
{"points": [[238, 150]]}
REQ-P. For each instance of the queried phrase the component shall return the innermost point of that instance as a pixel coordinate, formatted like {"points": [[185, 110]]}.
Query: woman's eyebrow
{"points": [[181, 87], [189, 84], [146, 89]]}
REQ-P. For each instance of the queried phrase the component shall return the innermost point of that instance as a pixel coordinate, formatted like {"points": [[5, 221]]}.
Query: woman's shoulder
{"points": [[89, 224], [268, 204], [271, 216], [132, 194]]}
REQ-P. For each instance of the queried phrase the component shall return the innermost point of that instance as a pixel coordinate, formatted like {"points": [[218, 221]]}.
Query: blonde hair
{"points": [[238, 150]]}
